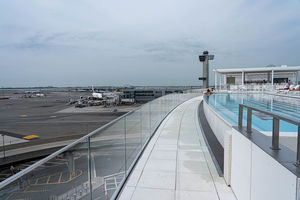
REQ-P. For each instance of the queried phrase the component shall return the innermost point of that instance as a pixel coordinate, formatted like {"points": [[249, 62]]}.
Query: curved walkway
{"points": [[176, 164]]}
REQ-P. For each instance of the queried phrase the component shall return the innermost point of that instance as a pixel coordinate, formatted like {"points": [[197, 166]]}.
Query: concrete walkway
{"points": [[176, 164]]}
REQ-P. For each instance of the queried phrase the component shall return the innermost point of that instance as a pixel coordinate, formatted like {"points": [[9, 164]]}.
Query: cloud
{"points": [[137, 38]]}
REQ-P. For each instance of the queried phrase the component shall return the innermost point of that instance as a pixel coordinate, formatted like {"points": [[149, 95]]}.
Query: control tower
{"points": [[205, 57]]}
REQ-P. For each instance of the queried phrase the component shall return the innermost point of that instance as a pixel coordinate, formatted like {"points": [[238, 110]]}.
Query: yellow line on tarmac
{"points": [[10, 195], [29, 137], [48, 179], [80, 173], [72, 176], [59, 179]]}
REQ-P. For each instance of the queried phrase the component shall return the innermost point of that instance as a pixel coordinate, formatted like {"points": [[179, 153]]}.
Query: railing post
{"points": [[150, 133], [298, 147], [275, 134], [249, 120], [90, 167], [3, 145], [240, 122], [125, 143]]}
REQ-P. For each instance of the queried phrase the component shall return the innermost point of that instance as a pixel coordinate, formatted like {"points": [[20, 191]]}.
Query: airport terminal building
{"points": [[145, 95], [264, 75]]}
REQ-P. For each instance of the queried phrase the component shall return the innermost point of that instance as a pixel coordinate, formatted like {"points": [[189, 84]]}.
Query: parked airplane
{"points": [[96, 94], [33, 93]]}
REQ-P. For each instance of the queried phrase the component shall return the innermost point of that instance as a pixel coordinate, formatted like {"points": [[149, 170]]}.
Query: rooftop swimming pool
{"points": [[227, 105]]}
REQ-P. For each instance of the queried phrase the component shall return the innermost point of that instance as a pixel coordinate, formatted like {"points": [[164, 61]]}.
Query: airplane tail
{"points": [[93, 89]]}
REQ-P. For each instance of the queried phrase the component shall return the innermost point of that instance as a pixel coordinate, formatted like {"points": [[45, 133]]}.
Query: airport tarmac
{"points": [[50, 119]]}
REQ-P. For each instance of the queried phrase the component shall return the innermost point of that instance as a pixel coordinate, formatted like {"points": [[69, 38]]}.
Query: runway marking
{"points": [[72, 176], [21, 192], [23, 115], [59, 179], [10, 195], [52, 116], [30, 137], [24, 191], [48, 179]]}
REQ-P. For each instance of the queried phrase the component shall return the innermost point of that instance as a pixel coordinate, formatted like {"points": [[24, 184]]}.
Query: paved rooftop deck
{"points": [[176, 163]]}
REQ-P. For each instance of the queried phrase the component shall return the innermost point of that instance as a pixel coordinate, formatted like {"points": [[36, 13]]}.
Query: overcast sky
{"points": [[157, 42]]}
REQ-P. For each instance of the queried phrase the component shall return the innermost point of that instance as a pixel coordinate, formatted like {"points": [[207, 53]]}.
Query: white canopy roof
{"points": [[260, 69]]}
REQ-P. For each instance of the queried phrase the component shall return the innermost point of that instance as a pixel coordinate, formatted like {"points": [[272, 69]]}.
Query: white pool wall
{"points": [[252, 173], [218, 125]]}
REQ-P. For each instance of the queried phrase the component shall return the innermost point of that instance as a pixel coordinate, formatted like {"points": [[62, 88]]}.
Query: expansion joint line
{"points": [[158, 131], [179, 128]]}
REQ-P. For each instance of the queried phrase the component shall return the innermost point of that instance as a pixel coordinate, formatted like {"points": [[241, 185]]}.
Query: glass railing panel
{"points": [[63, 177], [145, 120], [107, 158], [155, 114], [95, 166], [133, 136]]}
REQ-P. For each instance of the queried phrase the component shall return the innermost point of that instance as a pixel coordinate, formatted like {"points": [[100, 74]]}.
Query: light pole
{"points": [[205, 57]]}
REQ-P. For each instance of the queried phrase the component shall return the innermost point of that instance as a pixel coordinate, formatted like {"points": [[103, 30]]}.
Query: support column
{"points": [[216, 80], [205, 73], [243, 77], [220, 81], [71, 162], [272, 100], [272, 77]]}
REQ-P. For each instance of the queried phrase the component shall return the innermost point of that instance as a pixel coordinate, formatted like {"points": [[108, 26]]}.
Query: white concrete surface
{"points": [[222, 130], [218, 125], [36, 148], [255, 175], [8, 140], [241, 166], [227, 156], [176, 164], [270, 180]]}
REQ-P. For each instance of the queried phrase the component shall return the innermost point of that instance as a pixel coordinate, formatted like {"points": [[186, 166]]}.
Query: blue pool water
{"points": [[227, 105]]}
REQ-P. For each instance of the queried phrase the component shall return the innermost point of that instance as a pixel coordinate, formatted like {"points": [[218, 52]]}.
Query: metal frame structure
{"points": [[275, 129], [243, 71]]}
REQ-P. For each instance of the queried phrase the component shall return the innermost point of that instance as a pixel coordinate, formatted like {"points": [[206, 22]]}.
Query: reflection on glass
{"points": [[62, 177], [97, 165]]}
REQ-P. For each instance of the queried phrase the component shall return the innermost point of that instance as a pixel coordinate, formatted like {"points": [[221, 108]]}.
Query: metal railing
{"points": [[275, 127]]}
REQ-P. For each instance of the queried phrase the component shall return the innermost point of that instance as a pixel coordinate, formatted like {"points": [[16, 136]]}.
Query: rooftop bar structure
{"points": [[266, 75]]}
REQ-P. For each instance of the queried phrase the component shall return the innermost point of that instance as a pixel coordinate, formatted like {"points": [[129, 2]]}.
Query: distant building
{"points": [[264, 75], [145, 95]]}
